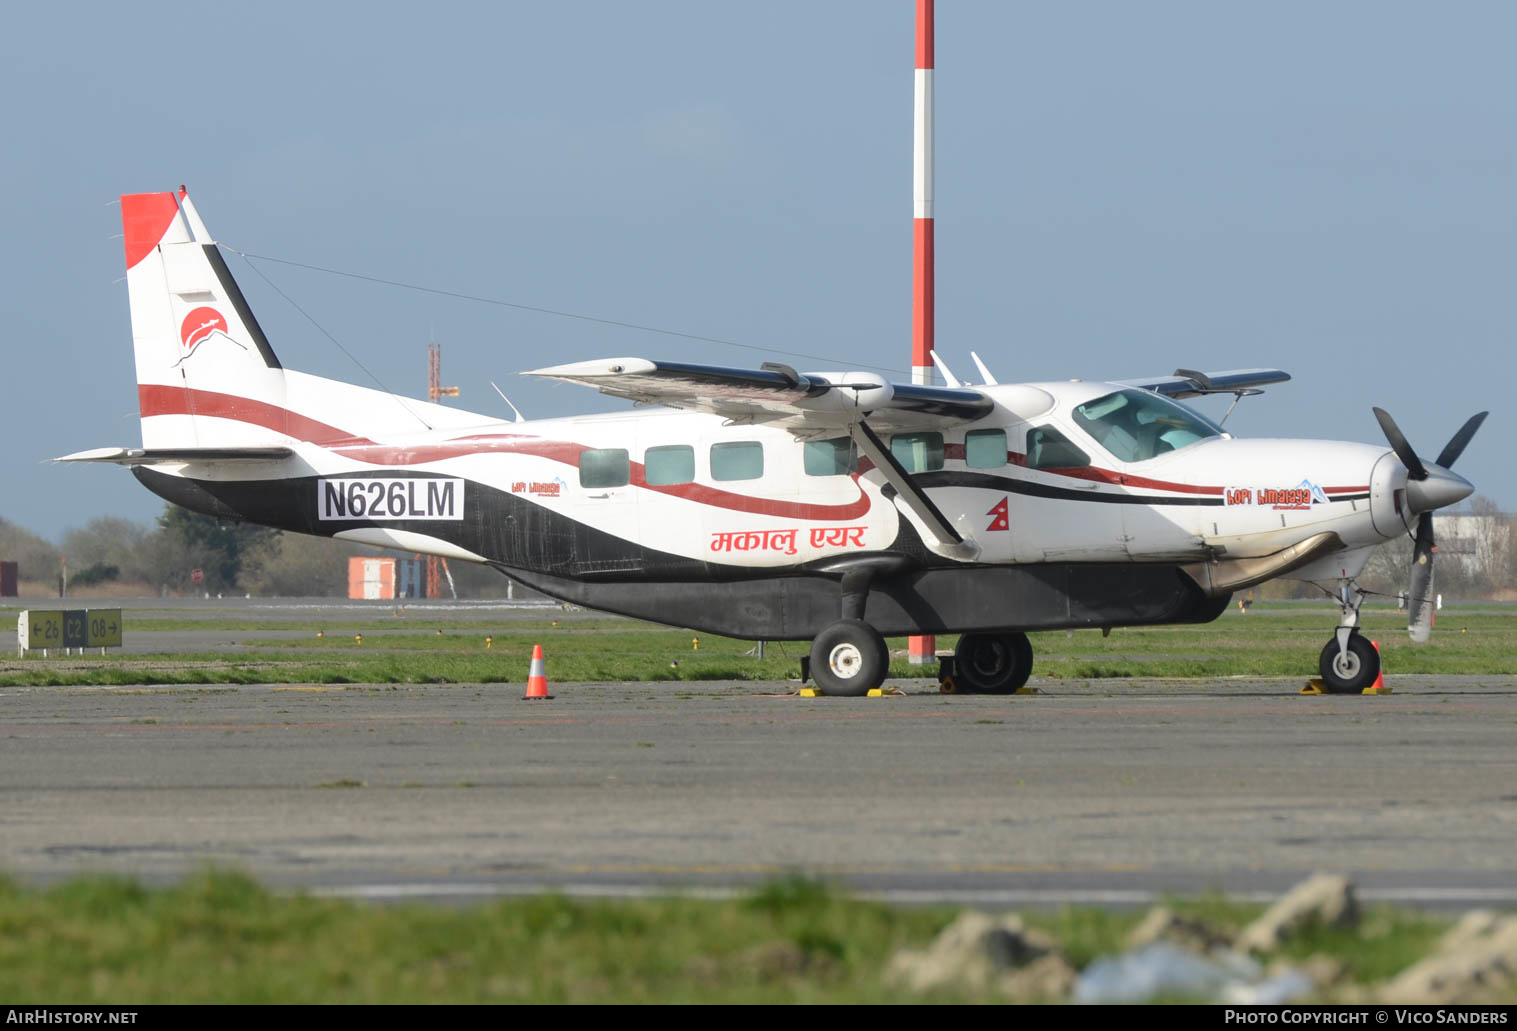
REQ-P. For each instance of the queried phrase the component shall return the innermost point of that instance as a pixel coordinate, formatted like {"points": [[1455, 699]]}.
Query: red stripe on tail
{"points": [[145, 217]]}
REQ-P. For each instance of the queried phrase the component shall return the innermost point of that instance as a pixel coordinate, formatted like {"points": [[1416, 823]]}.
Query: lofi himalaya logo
{"points": [[1298, 498], [553, 488]]}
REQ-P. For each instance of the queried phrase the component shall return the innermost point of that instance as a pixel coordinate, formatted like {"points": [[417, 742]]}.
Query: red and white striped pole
{"points": [[922, 650]]}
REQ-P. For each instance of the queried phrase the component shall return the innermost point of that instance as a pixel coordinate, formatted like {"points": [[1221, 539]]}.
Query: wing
{"points": [[1190, 383], [801, 402], [178, 455]]}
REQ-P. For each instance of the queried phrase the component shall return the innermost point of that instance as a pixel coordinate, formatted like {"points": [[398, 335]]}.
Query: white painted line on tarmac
{"points": [[1438, 894], [397, 892]]}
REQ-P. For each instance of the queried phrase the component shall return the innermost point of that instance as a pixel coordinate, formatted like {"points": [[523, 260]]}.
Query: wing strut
{"points": [[949, 543]]}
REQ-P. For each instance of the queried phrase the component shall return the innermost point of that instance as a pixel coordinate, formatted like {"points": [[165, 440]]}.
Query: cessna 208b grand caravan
{"points": [[773, 504]]}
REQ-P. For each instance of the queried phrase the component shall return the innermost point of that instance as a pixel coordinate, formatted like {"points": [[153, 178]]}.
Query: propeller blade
{"points": [[1419, 599], [1414, 467], [1456, 445]]}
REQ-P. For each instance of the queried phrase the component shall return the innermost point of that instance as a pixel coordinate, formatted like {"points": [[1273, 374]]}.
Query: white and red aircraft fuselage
{"points": [[772, 504]]}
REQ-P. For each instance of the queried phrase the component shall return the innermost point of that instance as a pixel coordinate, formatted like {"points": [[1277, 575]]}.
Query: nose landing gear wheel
{"points": [[1353, 670], [849, 658], [992, 663]]}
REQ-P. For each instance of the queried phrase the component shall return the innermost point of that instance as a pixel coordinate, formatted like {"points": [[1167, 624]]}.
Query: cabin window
{"points": [[1047, 448], [663, 466], [604, 467], [737, 460], [918, 452], [834, 457], [1136, 425], [985, 449]]}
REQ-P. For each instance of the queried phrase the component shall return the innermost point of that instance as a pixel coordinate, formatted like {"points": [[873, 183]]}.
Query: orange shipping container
{"points": [[371, 578]]}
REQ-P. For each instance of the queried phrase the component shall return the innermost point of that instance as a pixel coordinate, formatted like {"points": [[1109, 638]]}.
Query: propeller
{"points": [[1456, 445], [1419, 596], [1426, 490], [1414, 467]]}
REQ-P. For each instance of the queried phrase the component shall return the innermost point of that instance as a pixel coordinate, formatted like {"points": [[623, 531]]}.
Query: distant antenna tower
{"points": [[435, 393], [435, 389]]}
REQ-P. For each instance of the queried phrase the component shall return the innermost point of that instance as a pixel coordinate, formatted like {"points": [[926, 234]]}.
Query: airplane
{"points": [[772, 504]]}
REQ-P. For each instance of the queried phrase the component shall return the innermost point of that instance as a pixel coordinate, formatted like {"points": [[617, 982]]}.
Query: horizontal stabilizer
{"points": [[1189, 383], [177, 455]]}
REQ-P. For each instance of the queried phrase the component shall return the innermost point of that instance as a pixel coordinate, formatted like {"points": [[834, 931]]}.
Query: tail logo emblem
{"points": [[198, 326]]}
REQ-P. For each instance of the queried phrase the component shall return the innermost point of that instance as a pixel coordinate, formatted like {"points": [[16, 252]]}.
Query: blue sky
{"points": [[1121, 189]]}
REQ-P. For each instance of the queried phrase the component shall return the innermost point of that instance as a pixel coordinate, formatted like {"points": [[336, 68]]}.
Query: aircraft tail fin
{"points": [[206, 375]]}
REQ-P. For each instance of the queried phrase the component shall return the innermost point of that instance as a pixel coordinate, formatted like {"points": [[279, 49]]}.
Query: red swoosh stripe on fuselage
{"points": [[1096, 474], [1088, 472], [163, 400], [153, 399]]}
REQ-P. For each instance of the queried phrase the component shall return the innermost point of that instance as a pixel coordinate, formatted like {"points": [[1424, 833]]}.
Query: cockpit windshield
{"points": [[1136, 425]]}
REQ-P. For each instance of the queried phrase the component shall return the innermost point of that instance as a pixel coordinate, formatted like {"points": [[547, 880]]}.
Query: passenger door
{"points": [[1062, 513], [606, 536]]}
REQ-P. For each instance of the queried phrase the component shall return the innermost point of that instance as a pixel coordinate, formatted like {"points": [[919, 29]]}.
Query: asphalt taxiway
{"points": [[1106, 792]]}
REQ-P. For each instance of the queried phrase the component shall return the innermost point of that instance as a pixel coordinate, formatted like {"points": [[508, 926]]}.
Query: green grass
{"points": [[400, 620], [1386, 942], [222, 938], [1279, 640]]}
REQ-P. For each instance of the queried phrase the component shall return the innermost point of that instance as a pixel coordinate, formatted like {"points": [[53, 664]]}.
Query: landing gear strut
{"points": [[849, 657], [992, 663], [1349, 662]]}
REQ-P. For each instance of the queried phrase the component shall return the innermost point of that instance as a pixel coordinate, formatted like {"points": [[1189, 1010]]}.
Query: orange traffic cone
{"points": [[537, 680], [1379, 685]]}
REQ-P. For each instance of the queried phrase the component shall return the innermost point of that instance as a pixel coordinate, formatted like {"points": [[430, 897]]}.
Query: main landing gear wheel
{"points": [[1353, 670], [992, 663], [849, 658]]}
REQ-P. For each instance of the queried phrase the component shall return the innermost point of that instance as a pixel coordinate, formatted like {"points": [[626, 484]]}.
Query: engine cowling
{"points": [[1388, 496]]}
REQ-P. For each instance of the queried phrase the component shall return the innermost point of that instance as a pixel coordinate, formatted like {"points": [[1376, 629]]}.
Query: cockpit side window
{"points": [[1136, 425], [1047, 448]]}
